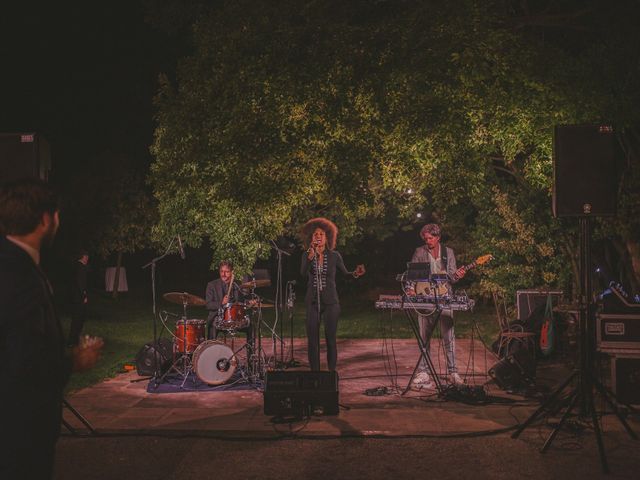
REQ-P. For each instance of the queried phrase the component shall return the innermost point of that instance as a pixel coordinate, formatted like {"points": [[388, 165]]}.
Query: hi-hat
{"points": [[256, 283], [183, 298]]}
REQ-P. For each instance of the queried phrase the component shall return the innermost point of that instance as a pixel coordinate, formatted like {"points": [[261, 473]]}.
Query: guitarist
{"points": [[441, 260]]}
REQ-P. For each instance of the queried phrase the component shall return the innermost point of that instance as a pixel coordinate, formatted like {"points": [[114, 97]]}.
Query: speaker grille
{"points": [[585, 179]]}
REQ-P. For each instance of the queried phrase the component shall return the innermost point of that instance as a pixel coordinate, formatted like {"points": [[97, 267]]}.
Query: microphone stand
{"points": [[279, 306], [152, 264], [318, 290], [291, 297]]}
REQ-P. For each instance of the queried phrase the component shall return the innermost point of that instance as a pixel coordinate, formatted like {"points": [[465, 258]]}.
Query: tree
{"points": [[287, 111]]}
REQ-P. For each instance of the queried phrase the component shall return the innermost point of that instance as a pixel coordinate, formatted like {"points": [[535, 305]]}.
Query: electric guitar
{"points": [[462, 271], [429, 288]]}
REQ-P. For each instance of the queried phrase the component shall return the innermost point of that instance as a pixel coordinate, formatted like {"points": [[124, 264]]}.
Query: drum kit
{"points": [[214, 362]]}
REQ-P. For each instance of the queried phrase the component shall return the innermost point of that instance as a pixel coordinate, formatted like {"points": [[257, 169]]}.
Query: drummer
{"points": [[219, 294]]}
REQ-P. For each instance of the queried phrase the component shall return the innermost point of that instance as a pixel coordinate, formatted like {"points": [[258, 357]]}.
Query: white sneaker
{"points": [[422, 380], [455, 379]]}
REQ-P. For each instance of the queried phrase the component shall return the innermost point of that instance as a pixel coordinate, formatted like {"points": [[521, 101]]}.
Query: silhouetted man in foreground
{"points": [[34, 363]]}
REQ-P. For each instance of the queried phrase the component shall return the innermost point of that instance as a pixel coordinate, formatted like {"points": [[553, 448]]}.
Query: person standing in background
{"points": [[79, 298]]}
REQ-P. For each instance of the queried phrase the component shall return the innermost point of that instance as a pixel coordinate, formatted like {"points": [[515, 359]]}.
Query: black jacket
{"points": [[216, 290], [33, 364], [329, 294]]}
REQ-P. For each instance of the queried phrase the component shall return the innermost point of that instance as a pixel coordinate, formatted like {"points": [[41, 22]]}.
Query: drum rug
{"points": [[175, 383]]}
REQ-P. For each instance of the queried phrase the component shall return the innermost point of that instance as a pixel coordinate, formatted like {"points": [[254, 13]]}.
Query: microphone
{"points": [[183, 256]]}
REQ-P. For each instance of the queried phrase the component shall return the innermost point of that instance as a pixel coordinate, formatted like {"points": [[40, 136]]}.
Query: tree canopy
{"points": [[369, 111]]}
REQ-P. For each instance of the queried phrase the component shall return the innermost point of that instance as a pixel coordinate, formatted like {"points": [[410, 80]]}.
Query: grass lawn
{"points": [[126, 325]]}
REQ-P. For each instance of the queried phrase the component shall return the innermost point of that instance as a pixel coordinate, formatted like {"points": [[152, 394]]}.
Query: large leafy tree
{"points": [[366, 111]]}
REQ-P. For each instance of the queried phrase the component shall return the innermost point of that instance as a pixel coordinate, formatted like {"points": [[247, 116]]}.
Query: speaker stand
{"points": [[78, 415], [582, 393]]}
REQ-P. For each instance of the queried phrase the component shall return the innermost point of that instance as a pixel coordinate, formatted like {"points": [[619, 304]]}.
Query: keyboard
{"points": [[424, 302]]}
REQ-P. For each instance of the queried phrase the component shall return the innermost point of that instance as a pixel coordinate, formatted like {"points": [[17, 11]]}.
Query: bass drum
{"points": [[214, 362]]}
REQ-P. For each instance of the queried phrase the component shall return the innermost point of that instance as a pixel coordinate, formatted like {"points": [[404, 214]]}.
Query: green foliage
{"points": [[296, 109]]}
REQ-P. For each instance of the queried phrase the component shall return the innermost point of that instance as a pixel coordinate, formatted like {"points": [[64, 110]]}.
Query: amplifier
{"points": [[616, 332], [299, 393], [625, 378]]}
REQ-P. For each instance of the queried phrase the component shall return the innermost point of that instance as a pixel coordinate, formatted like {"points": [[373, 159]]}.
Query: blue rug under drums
{"points": [[175, 383]]}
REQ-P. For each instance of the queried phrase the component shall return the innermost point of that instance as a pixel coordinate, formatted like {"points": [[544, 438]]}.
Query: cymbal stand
{"points": [[184, 356], [152, 264]]}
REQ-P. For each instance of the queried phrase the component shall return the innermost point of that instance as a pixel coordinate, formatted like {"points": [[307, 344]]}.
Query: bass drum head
{"points": [[214, 362]]}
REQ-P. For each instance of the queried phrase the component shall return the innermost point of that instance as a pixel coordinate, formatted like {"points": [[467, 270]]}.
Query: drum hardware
{"points": [[255, 283], [184, 298], [153, 264], [189, 333]]}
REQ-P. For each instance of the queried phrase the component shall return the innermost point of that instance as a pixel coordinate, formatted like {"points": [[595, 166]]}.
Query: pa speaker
{"points": [[585, 179], [299, 393], [160, 352], [24, 155]]}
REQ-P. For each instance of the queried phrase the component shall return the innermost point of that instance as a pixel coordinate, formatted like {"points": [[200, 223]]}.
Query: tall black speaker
{"points": [[24, 155], [585, 178]]}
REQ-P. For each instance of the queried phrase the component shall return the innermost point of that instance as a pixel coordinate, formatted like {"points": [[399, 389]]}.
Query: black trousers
{"points": [[78, 317], [329, 315]]}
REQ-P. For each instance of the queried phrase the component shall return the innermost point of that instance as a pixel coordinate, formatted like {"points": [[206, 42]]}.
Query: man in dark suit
{"points": [[34, 364], [79, 298], [221, 293]]}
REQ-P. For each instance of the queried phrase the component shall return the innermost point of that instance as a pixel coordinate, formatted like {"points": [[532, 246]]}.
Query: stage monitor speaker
{"points": [[24, 155], [585, 179], [298, 393], [163, 351]]}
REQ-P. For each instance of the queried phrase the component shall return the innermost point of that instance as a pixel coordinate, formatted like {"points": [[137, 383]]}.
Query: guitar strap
{"points": [[443, 258]]}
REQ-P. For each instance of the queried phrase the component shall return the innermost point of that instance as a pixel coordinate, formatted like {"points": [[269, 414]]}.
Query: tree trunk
{"points": [[116, 280]]}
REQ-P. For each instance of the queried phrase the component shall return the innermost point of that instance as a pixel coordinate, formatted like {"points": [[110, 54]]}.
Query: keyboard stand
{"points": [[424, 352]]}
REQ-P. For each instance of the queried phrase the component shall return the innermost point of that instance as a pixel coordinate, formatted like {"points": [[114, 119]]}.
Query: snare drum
{"points": [[214, 362], [233, 317], [193, 333]]}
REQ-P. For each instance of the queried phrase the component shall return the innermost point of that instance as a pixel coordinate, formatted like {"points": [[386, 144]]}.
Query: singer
{"points": [[319, 264]]}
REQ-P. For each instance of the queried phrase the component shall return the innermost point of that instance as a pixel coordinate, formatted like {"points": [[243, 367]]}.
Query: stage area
{"points": [[121, 405]]}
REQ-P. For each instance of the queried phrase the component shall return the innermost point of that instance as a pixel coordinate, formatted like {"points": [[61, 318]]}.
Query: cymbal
{"points": [[256, 283], [183, 298]]}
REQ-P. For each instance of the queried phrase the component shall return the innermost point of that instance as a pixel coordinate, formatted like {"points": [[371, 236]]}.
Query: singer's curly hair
{"points": [[330, 230]]}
